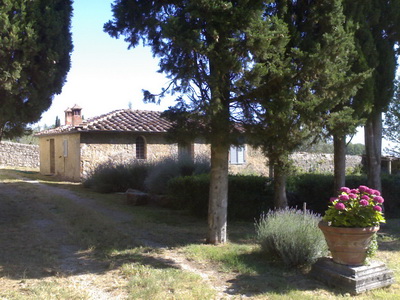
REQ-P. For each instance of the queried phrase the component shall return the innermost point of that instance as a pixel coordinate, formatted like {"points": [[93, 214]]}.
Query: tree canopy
{"points": [[301, 83], [35, 52], [203, 49], [377, 35], [392, 123]]}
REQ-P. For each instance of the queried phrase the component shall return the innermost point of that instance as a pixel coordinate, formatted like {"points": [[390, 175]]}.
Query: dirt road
{"points": [[40, 249]]}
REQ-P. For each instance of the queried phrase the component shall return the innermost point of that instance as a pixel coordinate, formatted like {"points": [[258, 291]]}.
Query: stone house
{"points": [[73, 150]]}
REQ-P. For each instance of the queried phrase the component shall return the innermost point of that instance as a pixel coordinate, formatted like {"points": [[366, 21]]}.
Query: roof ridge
{"points": [[119, 120]]}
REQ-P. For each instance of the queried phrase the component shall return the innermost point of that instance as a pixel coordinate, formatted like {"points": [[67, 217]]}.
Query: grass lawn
{"points": [[154, 253]]}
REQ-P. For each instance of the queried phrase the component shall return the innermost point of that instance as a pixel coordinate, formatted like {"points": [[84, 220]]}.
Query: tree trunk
{"points": [[280, 199], [339, 159], [373, 149], [218, 197]]}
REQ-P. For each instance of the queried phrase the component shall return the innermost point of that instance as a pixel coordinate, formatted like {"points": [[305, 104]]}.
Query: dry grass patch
{"points": [[54, 245]]}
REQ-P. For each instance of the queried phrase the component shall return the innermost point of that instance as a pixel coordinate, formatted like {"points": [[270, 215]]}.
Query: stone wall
{"points": [[19, 155], [322, 162], [122, 150]]}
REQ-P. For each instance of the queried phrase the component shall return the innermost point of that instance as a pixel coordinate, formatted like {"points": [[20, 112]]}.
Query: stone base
{"points": [[350, 279]]}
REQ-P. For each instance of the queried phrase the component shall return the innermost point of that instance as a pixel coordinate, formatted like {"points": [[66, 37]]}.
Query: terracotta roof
{"points": [[124, 120]]}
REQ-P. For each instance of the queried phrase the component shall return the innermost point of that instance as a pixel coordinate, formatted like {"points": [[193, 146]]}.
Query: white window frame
{"points": [[237, 155]]}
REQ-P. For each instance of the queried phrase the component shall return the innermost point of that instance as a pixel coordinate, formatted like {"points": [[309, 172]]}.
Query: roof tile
{"points": [[124, 120]]}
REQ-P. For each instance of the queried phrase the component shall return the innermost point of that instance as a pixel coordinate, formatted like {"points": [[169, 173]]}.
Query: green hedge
{"points": [[247, 196]]}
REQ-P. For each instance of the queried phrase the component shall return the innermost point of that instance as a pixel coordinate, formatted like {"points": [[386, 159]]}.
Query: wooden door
{"points": [[52, 157]]}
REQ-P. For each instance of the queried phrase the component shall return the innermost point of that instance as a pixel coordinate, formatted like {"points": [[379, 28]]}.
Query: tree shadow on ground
{"points": [[273, 277], [389, 235]]}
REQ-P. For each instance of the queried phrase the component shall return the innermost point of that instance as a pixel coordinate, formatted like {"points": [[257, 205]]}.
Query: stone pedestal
{"points": [[353, 280]]}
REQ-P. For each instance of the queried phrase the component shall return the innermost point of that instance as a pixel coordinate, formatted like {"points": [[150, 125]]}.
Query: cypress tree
{"points": [[35, 52], [301, 84], [377, 35]]}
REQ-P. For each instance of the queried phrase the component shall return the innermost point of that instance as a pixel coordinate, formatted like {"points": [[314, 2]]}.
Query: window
{"points": [[237, 155], [185, 150], [140, 148]]}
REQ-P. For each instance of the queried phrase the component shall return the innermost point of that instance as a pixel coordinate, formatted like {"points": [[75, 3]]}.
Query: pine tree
{"points": [[202, 46], [35, 52]]}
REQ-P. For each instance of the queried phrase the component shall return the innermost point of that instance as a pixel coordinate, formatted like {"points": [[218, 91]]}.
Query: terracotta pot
{"points": [[348, 246]]}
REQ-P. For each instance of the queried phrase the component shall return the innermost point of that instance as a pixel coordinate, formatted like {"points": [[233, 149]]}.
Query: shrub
{"points": [[291, 236], [313, 189], [163, 171], [391, 191], [145, 176], [190, 192], [110, 177], [248, 196]]}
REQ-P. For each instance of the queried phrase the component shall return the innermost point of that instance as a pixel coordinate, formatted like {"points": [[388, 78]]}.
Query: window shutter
{"points": [[233, 155]]}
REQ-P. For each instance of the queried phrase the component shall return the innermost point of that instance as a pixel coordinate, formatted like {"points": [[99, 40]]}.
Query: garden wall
{"points": [[19, 155], [322, 162]]}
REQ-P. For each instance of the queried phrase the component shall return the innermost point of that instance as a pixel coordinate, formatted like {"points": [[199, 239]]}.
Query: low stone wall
{"points": [[321, 162], [19, 155]]}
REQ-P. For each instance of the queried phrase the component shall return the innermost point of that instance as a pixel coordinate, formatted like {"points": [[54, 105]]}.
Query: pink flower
{"points": [[364, 202], [345, 190], [354, 191], [344, 198], [377, 208], [333, 199], [340, 206], [352, 196], [376, 192], [378, 199], [365, 197], [363, 188]]}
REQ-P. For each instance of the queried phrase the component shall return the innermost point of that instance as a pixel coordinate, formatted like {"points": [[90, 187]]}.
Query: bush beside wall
{"points": [[247, 195], [250, 196]]}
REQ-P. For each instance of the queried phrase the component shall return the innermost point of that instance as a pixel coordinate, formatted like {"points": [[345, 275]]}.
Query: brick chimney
{"points": [[73, 116]]}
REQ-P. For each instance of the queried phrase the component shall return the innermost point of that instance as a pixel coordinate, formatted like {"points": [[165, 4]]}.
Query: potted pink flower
{"points": [[350, 222]]}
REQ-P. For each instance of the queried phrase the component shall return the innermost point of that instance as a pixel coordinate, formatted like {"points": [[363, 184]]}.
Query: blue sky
{"points": [[104, 74]]}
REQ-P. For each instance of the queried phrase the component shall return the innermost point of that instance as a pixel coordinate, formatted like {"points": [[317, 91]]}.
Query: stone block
{"points": [[350, 279], [135, 197]]}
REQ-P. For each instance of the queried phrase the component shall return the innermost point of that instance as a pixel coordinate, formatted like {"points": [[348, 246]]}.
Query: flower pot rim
{"points": [[327, 225]]}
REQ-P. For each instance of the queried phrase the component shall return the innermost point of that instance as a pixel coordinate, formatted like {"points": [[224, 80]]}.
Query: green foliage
{"points": [[203, 48], [377, 37], [391, 192], [145, 176], [327, 147], [355, 149], [248, 196], [232, 257], [291, 236], [161, 172], [313, 189], [28, 137], [373, 246], [301, 81], [110, 177], [392, 123], [35, 52]]}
